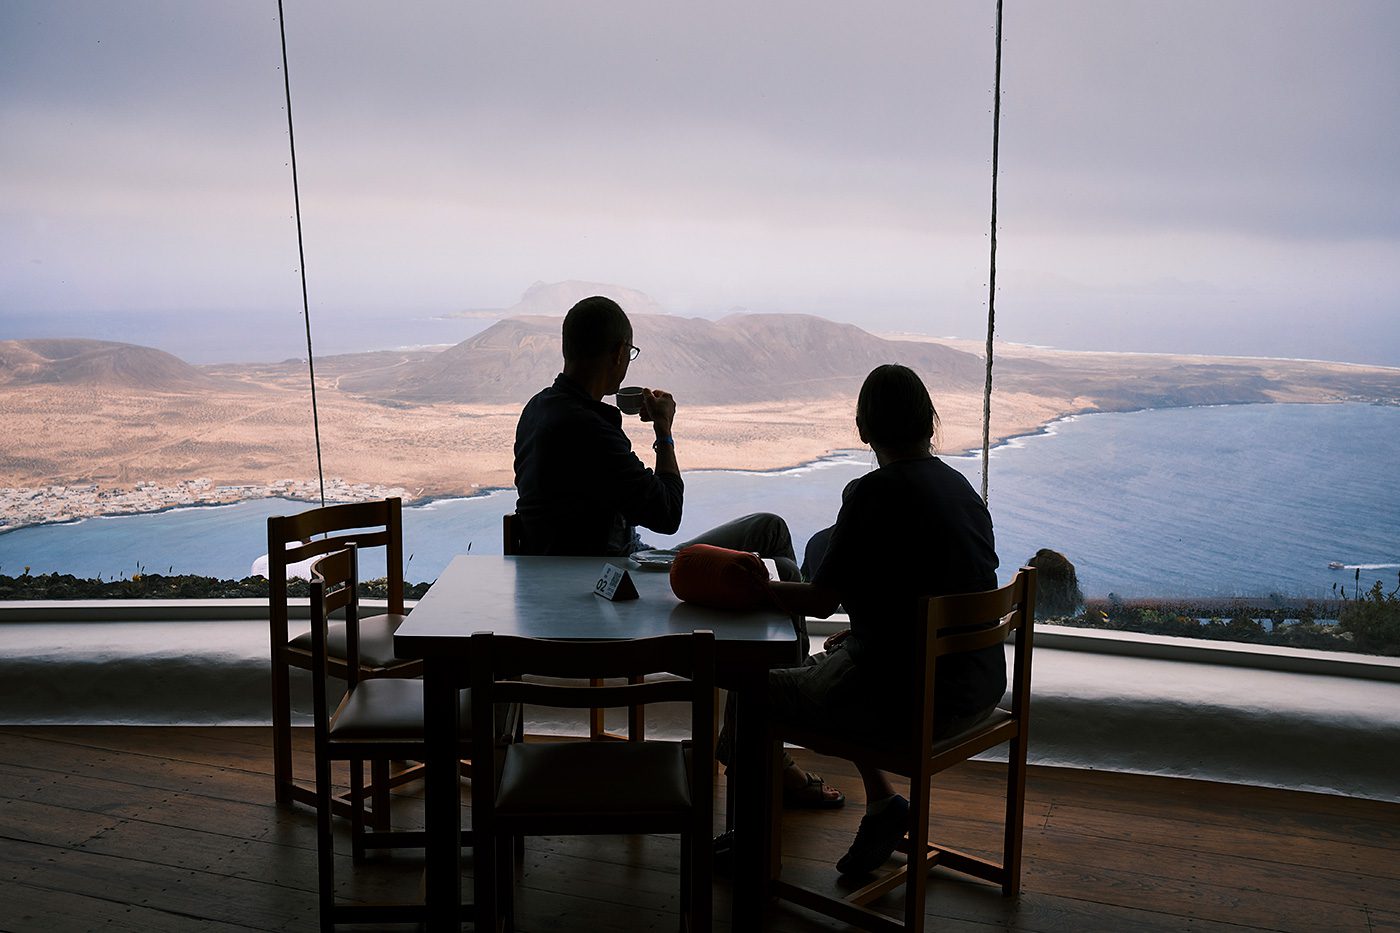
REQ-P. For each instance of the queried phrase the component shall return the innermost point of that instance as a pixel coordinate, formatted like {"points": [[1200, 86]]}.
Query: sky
{"points": [[1212, 177]]}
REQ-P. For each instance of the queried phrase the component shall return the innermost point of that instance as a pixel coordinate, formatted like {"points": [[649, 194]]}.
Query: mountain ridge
{"points": [[74, 361], [741, 357]]}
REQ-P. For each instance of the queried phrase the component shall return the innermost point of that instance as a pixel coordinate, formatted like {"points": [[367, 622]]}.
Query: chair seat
{"points": [[376, 641], [841, 744], [998, 717], [600, 777], [390, 708]]}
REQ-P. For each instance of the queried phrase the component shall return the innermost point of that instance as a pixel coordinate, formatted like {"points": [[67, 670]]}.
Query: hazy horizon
{"points": [[227, 337], [1183, 179], [233, 338]]}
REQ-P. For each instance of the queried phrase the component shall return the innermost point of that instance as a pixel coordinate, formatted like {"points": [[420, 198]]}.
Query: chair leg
{"points": [[325, 851], [485, 865], [597, 728], [687, 878], [379, 785], [916, 872], [701, 883], [728, 799], [505, 851], [775, 815], [281, 728], [714, 739], [357, 809], [1015, 815], [636, 717]]}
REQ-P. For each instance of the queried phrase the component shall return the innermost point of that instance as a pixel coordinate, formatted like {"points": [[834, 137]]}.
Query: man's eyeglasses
{"points": [[634, 352]]}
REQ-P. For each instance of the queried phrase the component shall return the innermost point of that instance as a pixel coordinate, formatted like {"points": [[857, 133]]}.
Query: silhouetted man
{"points": [[582, 489]]}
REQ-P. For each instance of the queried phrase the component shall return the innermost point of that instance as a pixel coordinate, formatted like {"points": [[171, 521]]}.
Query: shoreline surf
{"points": [[835, 455]]}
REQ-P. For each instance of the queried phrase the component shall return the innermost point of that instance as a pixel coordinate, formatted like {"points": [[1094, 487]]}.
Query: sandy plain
{"points": [[70, 436], [252, 426]]}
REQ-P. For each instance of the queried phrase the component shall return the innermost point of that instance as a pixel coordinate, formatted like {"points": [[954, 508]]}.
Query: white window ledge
{"points": [[1099, 641]]}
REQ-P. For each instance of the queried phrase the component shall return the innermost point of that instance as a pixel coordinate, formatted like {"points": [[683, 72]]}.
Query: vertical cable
{"points": [[992, 268], [301, 258]]}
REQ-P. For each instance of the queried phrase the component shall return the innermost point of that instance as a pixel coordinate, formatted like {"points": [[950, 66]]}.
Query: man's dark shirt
{"points": [[581, 488], [910, 529]]}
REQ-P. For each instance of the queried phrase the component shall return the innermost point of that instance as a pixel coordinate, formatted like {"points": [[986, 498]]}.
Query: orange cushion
{"points": [[720, 578]]}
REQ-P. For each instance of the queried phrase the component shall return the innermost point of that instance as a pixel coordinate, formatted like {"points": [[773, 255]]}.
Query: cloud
{"points": [[780, 155]]}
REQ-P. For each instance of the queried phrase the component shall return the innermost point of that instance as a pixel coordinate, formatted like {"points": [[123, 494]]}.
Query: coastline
{"points": [[835, 454], [719, 422], [293, 491], [1042, 430], [422, 502], [290, 493], [132, 513]]}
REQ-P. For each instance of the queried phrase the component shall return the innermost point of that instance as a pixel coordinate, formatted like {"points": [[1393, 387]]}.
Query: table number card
{"points": [[614, 584]]}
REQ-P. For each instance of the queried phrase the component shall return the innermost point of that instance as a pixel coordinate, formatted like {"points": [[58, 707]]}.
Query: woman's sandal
{"points": [[812, 795]]}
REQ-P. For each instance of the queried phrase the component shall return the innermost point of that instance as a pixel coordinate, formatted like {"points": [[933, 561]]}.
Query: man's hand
{"points": [[833, 640], [659, 408]]}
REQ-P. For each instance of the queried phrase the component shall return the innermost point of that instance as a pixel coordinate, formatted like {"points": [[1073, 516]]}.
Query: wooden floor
{"points": [[151, 829]]}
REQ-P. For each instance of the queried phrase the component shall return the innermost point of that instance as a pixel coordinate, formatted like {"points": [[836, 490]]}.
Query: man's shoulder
{"points": [[552, 400], [557, 411], [551, 395]]}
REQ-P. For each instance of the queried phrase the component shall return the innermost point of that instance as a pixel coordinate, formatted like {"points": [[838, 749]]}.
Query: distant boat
{"points": [[1336, 565]]}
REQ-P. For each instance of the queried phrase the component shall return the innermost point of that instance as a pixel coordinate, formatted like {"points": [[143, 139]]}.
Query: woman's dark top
{"points": [[910, 529]]}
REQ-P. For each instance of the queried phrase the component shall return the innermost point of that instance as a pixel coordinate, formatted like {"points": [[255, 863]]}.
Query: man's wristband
{"points": [[667, 441]]}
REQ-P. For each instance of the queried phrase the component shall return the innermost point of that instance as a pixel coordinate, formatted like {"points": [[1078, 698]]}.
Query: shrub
{"points": [[177, 586], [1373, 620]]}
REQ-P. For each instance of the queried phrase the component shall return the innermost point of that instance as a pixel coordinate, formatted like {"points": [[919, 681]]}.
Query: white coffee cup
{"points": [[629, 400]]}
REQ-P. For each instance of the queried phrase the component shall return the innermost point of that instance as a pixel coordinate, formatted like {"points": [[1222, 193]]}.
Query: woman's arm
{"points": [[808, 599]]}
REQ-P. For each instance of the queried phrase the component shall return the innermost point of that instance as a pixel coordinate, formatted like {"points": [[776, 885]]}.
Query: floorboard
{"points": [[170, 829]]}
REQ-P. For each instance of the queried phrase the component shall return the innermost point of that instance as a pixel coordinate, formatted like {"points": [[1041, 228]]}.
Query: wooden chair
{"points": [[585, 787], [377, 719], [291, 539], [511, 543], [1005, 611]]}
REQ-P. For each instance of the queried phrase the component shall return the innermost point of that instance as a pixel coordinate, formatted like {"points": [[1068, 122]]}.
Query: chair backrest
{"points": [[971, 621], [365, 524], [510, 534], [690, 657], [334, 586]]}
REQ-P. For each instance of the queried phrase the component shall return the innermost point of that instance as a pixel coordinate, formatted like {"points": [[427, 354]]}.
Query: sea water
{"points": [[1246, 500]]}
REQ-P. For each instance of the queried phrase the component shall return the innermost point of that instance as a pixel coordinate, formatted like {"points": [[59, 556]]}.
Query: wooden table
{"points": [[552, 597]]}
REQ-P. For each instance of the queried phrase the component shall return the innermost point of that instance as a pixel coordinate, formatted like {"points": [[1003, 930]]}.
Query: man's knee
{"points": [[771, 524], [773, 532], [763, 532]]}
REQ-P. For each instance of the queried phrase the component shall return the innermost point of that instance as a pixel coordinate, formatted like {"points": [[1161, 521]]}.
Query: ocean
{"points": [[1246, 500]]}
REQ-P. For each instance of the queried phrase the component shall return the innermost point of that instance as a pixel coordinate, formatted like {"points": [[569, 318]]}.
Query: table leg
{"points": [[443, 792], [755, 762]]}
